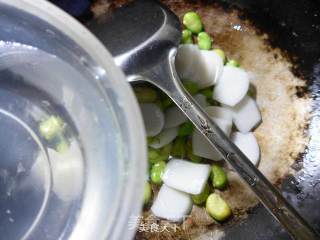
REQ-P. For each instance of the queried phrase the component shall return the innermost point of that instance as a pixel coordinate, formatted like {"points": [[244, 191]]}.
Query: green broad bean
{"points": [[147, 194], [178, 147], [146, 94], [51, 127], [193, 158], [218, 177], [191, 87], [186, 37], [190, 155], [204, 41], [233, 63], [166, 103], [185, 129], [157, 155], [165, 151], [208, 92], [201, 198], [61, 145], [150, 140], [217, 207], [192, 21], [221, 53], [157, 171], [154, 155], [165, 100]]}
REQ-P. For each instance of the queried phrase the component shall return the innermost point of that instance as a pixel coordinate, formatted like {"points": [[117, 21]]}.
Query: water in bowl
{"points": [[41, 177]]}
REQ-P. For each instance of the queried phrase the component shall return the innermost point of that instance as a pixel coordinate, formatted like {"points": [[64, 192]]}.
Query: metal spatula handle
{"points": [[264, 190]]}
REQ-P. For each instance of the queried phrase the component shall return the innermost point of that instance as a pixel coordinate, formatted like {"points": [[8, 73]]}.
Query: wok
{"points": [[264, 34]]}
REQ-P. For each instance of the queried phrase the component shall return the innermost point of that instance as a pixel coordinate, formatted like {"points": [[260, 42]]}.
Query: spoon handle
{"points": [[264, 190]]}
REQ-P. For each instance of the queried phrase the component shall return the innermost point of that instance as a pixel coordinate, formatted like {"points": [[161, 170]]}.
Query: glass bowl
{"points": [[72, 141]]}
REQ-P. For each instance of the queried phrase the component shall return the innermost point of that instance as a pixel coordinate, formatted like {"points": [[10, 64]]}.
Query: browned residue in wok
{"points": [[284, 112]]}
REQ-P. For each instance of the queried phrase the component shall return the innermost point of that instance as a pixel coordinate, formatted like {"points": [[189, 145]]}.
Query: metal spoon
{"points": [[143, 38]]}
